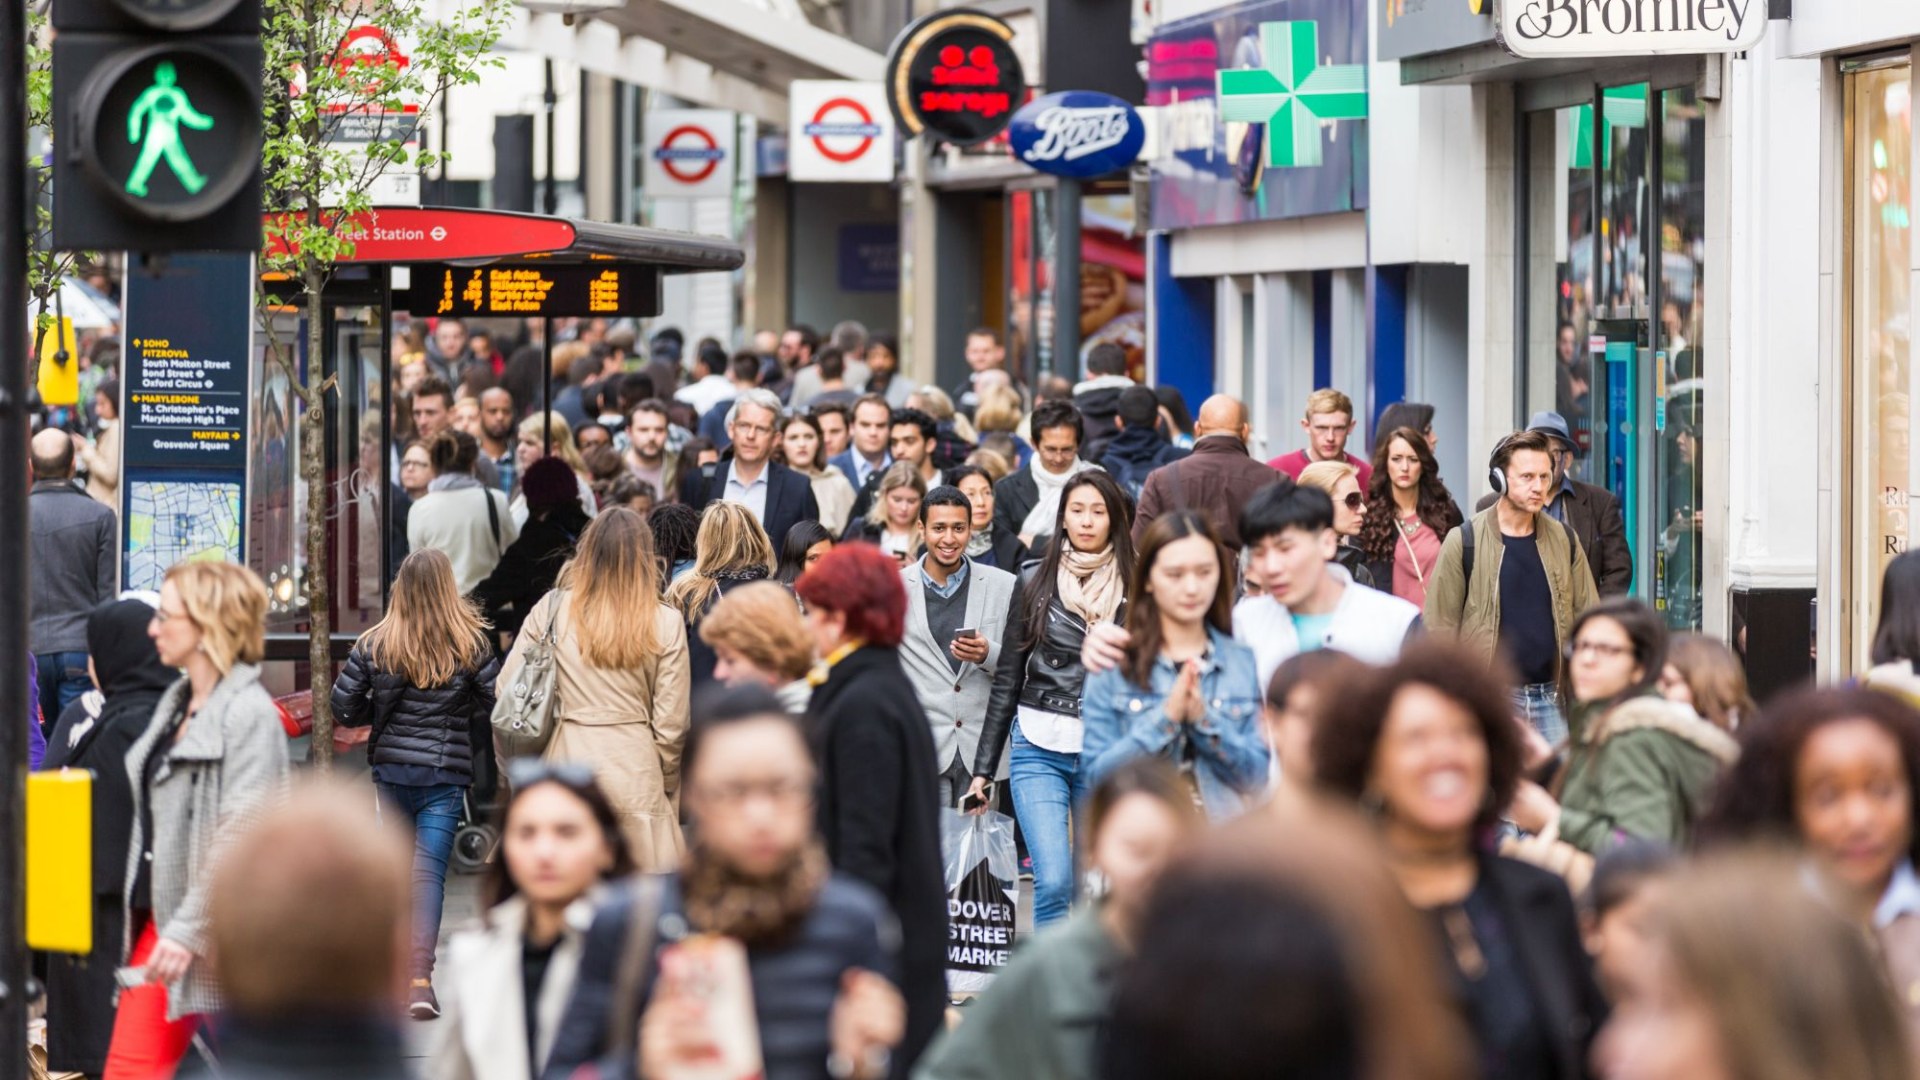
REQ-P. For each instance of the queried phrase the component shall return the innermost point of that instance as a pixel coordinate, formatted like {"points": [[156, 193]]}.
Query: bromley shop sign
{"points": [[1077, 133], [1547, 29]]}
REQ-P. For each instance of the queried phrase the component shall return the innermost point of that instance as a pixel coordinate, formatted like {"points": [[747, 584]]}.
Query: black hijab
{"points": [[131, 676]]}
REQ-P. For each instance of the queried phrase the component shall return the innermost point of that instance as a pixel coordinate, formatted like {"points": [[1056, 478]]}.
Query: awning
{"points": [[422, 234], [747, 40]]}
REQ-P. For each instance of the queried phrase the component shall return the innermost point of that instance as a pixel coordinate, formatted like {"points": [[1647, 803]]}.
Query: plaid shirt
{"points": [[509, 467]]}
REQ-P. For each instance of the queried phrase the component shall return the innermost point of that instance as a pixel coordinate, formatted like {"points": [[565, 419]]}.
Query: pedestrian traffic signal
{"points": [[157, 110]]}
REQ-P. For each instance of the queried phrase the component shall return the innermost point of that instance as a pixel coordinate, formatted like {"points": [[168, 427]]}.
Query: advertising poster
{"points": [[1209, 172], [1113, 281]]}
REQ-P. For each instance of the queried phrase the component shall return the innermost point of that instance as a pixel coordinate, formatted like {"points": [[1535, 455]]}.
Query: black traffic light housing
{"points": [[157, 127]]}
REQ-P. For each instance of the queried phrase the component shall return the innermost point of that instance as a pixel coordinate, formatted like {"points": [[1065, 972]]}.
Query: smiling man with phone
{"points": [[956, 618]]}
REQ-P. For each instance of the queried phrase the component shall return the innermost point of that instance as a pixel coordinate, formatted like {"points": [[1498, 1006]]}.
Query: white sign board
{"points": [[1553, 29], [690, 154], [366, 121], [839, 131]]}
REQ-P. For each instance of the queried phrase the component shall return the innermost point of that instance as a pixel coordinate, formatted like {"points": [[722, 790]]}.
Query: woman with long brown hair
{"points": [[1409, 514], [731, 550], [1186, 690], [620, 685], [803, 448], [423, 678]]}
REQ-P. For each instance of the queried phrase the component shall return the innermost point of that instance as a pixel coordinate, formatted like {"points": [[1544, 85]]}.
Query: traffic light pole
{"points": [[15, 431]]}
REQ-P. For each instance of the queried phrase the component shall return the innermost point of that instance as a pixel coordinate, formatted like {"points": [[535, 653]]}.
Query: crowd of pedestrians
{"points": [[1312, 773]]}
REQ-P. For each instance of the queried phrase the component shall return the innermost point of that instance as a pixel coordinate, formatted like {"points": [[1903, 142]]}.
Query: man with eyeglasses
{"points": [[1530, 581], [778, 496], [1328, 422]]}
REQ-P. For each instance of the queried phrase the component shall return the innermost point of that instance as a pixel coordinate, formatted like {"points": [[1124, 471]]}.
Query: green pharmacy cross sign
{"points": [[1293, 94]]}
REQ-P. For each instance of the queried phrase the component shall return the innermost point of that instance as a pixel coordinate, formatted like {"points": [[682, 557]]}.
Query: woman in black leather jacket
{"points": [[422, 677], [1036, 690]]}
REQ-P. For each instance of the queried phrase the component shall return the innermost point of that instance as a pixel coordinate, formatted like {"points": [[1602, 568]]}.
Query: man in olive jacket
{"points": [[1529, 581], [1591, 511]]}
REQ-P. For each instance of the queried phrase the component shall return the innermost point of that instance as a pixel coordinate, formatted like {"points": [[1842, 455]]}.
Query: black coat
{"points": [[1043, 672], [1593, 513], [1014, 497], [529, 567], [789, 497], [1133, 455], [80, 989], [878, 811], [424, 727], [700, 655], [1539, 916]]}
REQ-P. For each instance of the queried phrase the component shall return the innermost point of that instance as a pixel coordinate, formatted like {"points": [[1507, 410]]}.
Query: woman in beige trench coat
{"points": [[620, 657]]}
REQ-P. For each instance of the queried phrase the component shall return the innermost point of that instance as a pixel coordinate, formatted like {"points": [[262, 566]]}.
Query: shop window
{"points": [[1560, 286], [1879, 194], [1678, 416]]}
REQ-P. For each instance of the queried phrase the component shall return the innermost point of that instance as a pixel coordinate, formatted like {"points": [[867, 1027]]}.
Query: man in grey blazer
{"points": [[956, 617]]}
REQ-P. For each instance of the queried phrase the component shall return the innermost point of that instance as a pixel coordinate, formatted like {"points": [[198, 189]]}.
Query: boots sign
{"points": [[1077, 133], [1552, 29]]}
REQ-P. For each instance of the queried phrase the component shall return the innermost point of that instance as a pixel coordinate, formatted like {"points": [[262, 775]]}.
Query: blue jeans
{"points": [[63, 678], [1047, 787], [1539, 705], [434, 814]]}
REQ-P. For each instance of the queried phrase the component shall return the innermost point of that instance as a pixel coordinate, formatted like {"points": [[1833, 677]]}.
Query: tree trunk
{"points": [[313, 473]]}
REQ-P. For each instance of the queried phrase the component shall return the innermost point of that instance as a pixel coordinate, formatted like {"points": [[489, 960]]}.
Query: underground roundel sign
{"points": [[839, 131], [689, 153], [954, 76]]}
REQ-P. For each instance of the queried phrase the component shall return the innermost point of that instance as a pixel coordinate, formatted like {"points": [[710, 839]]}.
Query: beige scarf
{"points": [[1090, 584]]}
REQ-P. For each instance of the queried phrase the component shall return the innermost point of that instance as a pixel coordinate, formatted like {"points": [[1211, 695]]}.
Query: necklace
{"points": [[1408, 526]]}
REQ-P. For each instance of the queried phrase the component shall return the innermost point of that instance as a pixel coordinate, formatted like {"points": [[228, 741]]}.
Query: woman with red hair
{"points": [[878, 795]]}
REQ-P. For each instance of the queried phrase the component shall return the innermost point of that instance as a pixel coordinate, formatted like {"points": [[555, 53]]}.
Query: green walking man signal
{"points": [[162, 109]]}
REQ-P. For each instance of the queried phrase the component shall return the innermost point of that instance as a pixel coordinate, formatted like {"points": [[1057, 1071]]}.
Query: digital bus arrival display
{"points": [[557, 291]]}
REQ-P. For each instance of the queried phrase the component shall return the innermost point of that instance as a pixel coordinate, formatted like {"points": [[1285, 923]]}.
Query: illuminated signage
{"points": [[954, 75], [536, 289]]}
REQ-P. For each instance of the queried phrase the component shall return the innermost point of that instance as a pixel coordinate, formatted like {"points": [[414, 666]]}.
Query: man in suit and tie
{"points": [[952, 675], [778, 496]]}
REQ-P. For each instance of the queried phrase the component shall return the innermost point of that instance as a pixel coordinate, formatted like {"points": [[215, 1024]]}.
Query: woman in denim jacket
{"points": [[1186, 691]]}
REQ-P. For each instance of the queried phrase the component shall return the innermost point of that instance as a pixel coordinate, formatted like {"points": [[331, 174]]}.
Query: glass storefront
{"points": [[1612, 244], [1878, 328]]}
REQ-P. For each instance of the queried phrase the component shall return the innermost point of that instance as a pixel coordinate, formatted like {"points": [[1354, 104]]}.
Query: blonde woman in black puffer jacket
{"points": [[423, 678]]}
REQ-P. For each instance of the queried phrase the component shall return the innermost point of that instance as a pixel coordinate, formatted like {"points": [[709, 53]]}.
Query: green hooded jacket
{"points": [[1640, 770]]}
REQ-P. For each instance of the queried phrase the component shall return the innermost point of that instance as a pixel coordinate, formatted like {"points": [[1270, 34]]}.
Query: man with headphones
{"points": [[1519, 597]]}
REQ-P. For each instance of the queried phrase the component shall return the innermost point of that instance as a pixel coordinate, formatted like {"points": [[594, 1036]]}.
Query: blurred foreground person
{"points": [[1043, 1013], [311, 999], [662, 973], [1638, 766], [422, 678], [80, 989], [1833, 772], [758, 637], [1742, 990], [1429, 746], [879, 788], [1275, 951], [509, 979], [1616, 911], [210, 761], [1298, 695]]}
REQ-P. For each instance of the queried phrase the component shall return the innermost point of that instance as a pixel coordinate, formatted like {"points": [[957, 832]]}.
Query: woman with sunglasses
{"points": [[508, 980], [422, 677], [1341, 482], [1638, 766]]}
